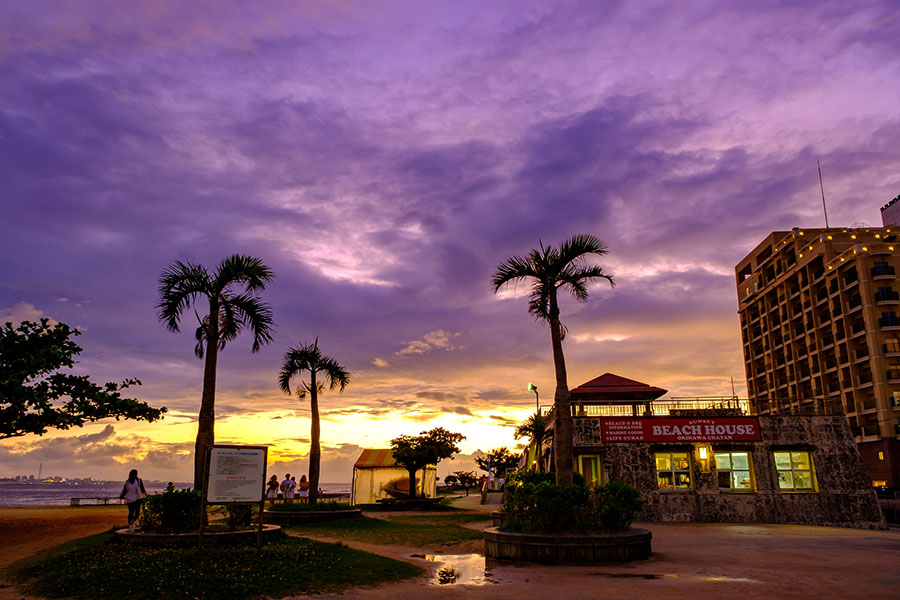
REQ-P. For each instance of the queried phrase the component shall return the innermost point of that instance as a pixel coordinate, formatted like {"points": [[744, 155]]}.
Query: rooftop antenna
{"points": [[733, 393], [822, 187]]}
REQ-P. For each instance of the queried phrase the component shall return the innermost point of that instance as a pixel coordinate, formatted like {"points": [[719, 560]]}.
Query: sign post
{"points": [[235, 475]]}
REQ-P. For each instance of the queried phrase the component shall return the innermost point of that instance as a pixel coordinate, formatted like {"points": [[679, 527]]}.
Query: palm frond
{"points": [[578, 246], [249, 311], [513, 269], [179, 286], [239, 268]]}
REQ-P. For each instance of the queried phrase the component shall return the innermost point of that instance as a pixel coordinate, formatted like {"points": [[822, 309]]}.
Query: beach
{"points": [[709, 560]]}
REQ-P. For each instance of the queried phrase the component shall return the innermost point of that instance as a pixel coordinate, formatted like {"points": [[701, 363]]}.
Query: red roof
{"points": [[380, 457], [609, 387]]}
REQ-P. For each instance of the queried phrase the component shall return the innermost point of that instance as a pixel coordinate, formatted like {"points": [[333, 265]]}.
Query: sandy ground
{"points": [[27, 531], [701, 560]]}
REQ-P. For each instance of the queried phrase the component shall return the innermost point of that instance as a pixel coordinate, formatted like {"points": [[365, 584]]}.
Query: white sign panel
{"points": [[236, 474]]}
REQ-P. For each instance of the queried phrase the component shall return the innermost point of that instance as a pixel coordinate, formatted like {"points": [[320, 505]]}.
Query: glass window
{"points": [[794, 471], [733, 470], [673, 470]]}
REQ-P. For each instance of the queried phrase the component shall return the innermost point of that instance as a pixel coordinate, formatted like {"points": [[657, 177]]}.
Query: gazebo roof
{"points": [[611, 388]]}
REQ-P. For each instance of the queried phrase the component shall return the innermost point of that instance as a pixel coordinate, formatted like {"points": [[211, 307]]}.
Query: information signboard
{"points": [[680, 429], [237, 474]]}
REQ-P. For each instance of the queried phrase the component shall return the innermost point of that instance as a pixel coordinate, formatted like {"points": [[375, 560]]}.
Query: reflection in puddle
{"points": [[459, 568]]}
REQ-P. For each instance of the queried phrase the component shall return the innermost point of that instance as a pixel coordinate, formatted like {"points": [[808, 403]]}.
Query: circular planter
{"points": [[269, 533], [567, 548], [299, 517]]}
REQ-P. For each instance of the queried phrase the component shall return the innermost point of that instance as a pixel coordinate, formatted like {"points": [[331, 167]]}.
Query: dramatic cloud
{"points": [[384, 160]]}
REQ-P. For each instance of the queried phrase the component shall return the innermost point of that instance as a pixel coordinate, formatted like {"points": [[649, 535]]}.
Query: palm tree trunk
{"points": [[207, 419], [538, 453], [315, 452], [562, 434]]}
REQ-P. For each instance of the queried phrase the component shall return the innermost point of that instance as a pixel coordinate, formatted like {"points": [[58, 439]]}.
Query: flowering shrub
{"points": [[533, 503]]}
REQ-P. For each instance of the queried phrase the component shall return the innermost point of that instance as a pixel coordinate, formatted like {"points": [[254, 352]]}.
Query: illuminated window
{"points": [[892, 345], [673, 470], [896, 398], [794, 471], [595, 473], [733, 471]]}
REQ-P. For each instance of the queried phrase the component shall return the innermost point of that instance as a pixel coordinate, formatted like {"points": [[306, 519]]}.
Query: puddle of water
{"points": [[467, 569]]}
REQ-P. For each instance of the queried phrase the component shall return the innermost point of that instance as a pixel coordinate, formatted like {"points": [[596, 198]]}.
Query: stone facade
{"points": [[842, 495]]}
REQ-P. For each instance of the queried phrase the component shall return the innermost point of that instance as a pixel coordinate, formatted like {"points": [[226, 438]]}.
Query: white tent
{"points": [[376, 476]]}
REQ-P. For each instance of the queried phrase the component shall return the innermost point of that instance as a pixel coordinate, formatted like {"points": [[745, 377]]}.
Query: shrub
{"points": [[171, 512], [238, 515], [534, 503]]}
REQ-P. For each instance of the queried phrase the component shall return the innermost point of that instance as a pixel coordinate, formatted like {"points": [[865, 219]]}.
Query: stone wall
{"points": [[844, 495]]}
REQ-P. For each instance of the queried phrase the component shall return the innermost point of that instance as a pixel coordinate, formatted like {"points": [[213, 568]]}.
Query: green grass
{"points": [[99, 568], [422, 531]]}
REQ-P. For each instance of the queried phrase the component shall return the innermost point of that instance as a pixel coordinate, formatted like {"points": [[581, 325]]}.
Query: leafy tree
{"points": [[233, 305], [466, 479], [549, 269], [537, 429], [31, 388], [451, 480], [415, 452], [309, 358], [497, 461]]}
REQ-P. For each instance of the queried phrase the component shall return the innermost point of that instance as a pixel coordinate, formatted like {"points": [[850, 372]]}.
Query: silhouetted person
{"points": [[133, 493]]}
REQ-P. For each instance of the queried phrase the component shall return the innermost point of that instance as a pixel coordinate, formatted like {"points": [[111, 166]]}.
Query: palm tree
{"points": [[537, 429], [233, 306], [309, 358], [549, 269]]}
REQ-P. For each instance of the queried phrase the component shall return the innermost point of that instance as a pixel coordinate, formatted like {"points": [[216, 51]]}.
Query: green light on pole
{"points": [[537, 400]]}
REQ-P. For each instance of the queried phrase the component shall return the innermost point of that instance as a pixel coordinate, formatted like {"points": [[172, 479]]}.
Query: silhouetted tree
{"points": [[415, 452], [537, 429], [31, 388], [497, 461], [230, 292], [548, 269], [323, 370]]}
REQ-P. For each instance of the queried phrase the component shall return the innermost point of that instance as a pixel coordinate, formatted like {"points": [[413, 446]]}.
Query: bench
{"points": [[97, 500]]}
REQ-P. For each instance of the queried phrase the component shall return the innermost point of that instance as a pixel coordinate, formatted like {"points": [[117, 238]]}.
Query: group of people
{"points": [[288, 488]]}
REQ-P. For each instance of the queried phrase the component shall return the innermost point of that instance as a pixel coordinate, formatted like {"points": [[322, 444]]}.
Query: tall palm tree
{"points": [[537, 429], [231, 292], [296, 362], [548, 270]]}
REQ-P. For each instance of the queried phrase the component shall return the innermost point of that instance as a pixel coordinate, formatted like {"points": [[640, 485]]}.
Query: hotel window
{"points": [[892, 345], [673, 470], [895, 396], [733, 471], [794, 471]]}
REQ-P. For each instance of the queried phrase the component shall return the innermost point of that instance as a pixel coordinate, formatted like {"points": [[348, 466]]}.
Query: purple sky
{"points": [[383, 158]]}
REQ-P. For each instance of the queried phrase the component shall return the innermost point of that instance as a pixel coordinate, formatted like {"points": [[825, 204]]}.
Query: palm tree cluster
{"points": [[230, 294]]}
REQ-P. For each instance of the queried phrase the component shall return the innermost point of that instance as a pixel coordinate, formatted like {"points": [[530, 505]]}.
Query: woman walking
{"points": [[133, 493], [304, 489]]}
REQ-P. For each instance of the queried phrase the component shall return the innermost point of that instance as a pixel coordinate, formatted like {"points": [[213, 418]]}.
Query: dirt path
{"points": [[27, 531]]}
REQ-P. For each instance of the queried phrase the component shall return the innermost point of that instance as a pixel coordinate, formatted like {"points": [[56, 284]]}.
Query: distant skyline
{"points": [[383, 158]]}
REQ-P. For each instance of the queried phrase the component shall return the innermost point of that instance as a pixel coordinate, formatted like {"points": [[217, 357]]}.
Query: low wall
{"points": [[248, 536], [567, 549]]}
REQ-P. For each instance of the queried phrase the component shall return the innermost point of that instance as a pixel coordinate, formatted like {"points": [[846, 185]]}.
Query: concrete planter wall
{"points": [[299, 517], [567, 549], [269, 533]]}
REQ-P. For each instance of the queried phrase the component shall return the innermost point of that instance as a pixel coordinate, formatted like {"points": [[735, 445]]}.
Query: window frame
{"points": [[813, 487], [673, 472], [749, 470]]}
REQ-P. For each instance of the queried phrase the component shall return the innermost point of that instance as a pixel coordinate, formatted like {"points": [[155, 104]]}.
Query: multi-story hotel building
{"points": [[821, 333]]}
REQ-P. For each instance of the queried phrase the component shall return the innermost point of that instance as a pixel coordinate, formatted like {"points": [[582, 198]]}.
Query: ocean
{"points": [[60, 494]]}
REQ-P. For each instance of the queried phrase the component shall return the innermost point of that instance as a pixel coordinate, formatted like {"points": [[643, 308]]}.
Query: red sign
{"points": [[680, 429]]}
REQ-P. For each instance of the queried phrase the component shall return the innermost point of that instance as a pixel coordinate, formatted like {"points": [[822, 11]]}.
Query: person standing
{"points": [[272, 490], [133, 493], [303, 489], [287, 488]]}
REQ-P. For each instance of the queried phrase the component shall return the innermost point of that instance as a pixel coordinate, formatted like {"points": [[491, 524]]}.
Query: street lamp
{"points": [[537, 399]]}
